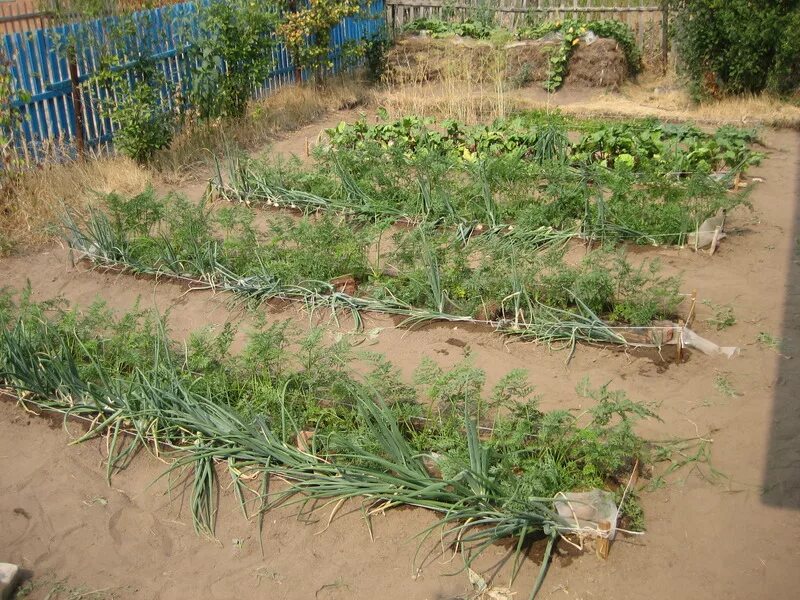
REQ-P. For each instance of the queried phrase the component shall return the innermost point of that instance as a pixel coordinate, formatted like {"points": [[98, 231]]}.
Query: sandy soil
{"points": [[732, 539]]}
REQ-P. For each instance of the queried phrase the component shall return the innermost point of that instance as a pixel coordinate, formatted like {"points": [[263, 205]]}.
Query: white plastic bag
{"points": [[585, 511]]}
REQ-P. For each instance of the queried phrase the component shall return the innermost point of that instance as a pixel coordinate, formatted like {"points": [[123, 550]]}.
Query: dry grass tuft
{"points": [[666, 98], [286, 109], [32, 203], [477, 100], [454, 84]]}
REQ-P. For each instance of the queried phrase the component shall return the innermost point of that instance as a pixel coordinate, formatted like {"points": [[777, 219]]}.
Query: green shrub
{"points": [[375, 49], [784, 77], [128, 84], [233, 52], [144, 126], [738, 46]]}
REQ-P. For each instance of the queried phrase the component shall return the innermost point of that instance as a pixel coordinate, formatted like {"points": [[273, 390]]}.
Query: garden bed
{"points": [[485, 247], [640, 181], [426, 274], [330, 431]]}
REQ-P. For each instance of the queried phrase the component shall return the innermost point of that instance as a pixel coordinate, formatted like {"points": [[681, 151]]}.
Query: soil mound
{"points": [[419, 58], [600, 64], [529, 60], [416, 59]]}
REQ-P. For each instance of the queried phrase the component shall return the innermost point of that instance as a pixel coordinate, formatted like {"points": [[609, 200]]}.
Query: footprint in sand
{"points": [[127, 524]]}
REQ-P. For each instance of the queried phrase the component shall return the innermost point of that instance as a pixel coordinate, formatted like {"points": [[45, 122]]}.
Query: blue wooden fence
{"points": [[41, 70]]}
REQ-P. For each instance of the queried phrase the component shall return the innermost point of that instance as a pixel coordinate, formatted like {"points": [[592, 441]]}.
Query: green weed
{"points": [[723, 315], [767, 340], [724, 386]]}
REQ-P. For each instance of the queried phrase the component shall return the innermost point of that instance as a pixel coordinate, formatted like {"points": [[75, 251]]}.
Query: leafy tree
{"points": [[307, 31], [738, 46], [127, 87], [233, 49]]}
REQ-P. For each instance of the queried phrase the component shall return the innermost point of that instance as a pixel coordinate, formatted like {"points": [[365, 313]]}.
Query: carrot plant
{"points": [[488, 463], [427, 274]]}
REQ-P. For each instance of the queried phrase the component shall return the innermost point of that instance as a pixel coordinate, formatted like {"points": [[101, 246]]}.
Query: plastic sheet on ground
{"points": [[704, 236], [585, 511], [667, 333]]}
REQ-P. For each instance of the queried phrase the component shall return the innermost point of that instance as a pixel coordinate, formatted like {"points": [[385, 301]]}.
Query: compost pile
{"points": [[422, 58], [552, 54]]}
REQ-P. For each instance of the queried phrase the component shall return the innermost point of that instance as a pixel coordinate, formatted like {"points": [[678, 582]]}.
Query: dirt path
{"points": [[734, 539]]}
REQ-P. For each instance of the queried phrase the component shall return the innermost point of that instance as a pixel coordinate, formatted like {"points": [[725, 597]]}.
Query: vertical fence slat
{"points": [[34, 84], [46, 80]]}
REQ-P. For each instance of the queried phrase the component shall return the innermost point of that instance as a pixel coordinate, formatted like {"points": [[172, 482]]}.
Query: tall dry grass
{"points": [[288, 108], [32, 201], [666, 97], [452, 82], [474, 99]]}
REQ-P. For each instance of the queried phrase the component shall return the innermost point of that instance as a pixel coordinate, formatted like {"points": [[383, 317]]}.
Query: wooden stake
{"points": [[679, 345], [603, 543], [77, 102], [715, 239], [690, 317], [665, 35], [308, 149]]}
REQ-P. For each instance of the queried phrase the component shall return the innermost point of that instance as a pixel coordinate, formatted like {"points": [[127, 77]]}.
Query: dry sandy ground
{"points": [[733, 539]]}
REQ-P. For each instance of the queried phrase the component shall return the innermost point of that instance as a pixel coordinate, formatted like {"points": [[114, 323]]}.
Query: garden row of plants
{"points": [[642, 145], [568, 33], [490, 463], [642, 181], [517, 283]]}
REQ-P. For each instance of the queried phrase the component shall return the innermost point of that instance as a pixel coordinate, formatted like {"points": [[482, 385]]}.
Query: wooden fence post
{"points": [[665, 34], [298, 71], [77, 102]]}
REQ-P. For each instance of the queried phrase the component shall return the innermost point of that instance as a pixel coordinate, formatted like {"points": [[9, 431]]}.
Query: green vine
{"points": [[10, 116], [559, 59]]}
